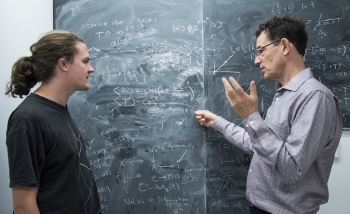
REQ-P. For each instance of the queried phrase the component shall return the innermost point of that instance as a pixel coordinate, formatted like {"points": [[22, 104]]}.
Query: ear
{"points": [[63, 64], [286, 46]]}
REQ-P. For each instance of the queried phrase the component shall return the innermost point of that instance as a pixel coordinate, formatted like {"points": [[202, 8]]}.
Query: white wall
{"points": [[21, 24], [339, 182]]}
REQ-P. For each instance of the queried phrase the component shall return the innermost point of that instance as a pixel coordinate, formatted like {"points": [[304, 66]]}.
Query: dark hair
{"points": [[39, 67], [285, 26]]}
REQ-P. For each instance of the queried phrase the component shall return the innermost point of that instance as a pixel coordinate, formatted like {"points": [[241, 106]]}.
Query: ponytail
{"points": [[22, 78]]}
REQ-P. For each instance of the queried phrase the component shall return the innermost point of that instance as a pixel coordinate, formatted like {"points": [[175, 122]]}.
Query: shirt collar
{"points": [[297, 81]]}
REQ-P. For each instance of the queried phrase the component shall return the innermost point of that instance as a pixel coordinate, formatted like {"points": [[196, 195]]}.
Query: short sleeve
{"points": [[26, 158]]}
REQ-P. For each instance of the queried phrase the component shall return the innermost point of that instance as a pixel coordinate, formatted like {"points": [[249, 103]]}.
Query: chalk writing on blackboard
{"points": [[158, 61]]}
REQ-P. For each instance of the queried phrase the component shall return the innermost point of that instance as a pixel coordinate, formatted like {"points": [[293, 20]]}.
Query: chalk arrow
{"points": [[171, 166], [107, 33], [182, 156], [223, 63]]}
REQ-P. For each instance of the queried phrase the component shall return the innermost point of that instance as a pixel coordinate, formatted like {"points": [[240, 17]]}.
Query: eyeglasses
{"points": [[260, 51]]}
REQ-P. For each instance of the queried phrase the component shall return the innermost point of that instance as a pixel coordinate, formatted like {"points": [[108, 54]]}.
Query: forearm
{"points": [[26, 209], [263, 139], [234, 134], [24, 200]]}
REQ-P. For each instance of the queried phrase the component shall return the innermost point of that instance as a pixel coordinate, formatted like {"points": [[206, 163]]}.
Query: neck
{"points": [[291, 70], [54, 92]]}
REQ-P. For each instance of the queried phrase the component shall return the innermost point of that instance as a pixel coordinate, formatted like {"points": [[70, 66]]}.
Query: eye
{"points": [[259, 51]]}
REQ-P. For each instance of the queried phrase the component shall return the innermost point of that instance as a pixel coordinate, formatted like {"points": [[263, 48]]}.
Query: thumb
{"points": [[199, 112], [253, 92]]}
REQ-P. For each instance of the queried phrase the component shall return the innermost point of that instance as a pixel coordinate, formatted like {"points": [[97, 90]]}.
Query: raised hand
{"points": [[242, 103]]}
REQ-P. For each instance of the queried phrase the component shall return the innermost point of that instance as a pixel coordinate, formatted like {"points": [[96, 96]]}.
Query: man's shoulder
{"points": [[312, 85], [28, 109], [29, 114]]}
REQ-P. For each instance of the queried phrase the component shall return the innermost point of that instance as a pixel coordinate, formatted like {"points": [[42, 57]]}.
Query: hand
{"points": [[242, 103], [205, 118]]}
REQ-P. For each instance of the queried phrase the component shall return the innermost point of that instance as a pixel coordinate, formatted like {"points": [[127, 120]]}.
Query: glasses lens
{"points": [[260, 50]]}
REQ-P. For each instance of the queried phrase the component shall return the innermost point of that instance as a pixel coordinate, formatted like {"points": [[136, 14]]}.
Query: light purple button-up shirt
{"points": [[293, 148]]}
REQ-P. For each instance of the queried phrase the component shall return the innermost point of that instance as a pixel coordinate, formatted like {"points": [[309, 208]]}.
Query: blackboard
{"points": [[158, 61]]}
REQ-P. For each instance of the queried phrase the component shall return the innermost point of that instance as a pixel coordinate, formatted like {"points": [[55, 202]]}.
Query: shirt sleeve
{"points": [[311, 129], [235, 134], [26, 158]]}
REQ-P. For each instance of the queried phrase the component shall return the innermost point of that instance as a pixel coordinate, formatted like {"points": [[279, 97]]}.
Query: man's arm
{"points": [[24, 200], [309, 134], [230, 131]]}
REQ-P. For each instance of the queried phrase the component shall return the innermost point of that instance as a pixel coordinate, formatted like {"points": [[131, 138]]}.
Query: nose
{"points": [[257, 60], [91, 69]]}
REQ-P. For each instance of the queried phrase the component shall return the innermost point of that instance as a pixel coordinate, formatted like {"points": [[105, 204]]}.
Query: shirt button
{"points": [[251, 122], [247, 125], [277, 98], [250, 170]]}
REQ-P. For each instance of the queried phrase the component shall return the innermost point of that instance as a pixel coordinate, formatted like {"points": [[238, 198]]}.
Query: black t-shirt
{"points": [[46, 150]]}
